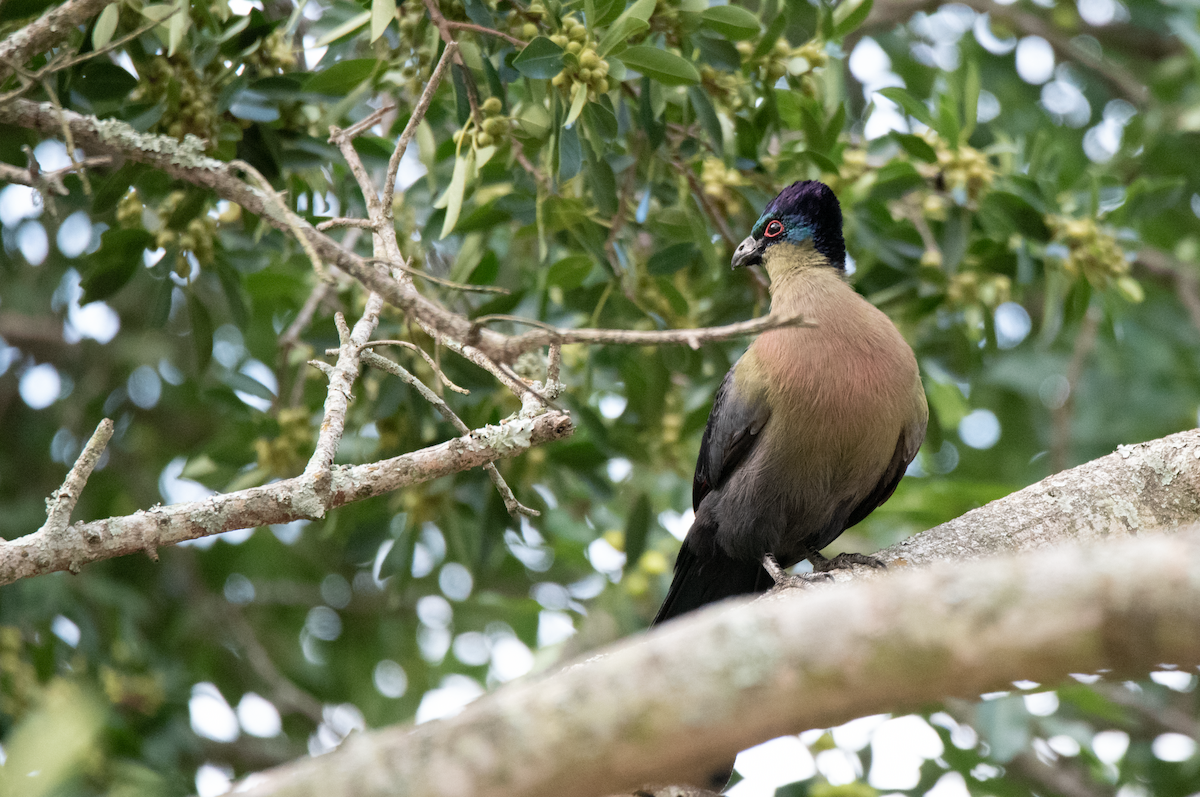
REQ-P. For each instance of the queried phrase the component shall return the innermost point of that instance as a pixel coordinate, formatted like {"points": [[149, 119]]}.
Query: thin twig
{"points": [[52, 181], [367, 122], [293, 222], [425, 275], [62, 501], [514, 507], [435, 14], [424, 355], [636, 337], [435, 80], [486, 31]]}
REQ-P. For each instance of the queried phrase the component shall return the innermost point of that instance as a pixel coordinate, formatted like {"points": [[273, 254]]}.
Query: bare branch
{"points": [[634, 337], [52, 181], [81, 543], [452, 25], [337, 401], [458, 286], [60, 505], [514, 507], [652, 710], [435, 80], [424, 355], [364, 224]]}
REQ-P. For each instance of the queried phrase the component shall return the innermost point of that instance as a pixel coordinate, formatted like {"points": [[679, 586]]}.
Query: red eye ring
{"points": [[774, 229]]}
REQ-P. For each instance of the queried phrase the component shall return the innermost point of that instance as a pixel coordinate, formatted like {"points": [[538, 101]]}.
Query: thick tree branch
{"points": [[653, 709], [147, 530]]}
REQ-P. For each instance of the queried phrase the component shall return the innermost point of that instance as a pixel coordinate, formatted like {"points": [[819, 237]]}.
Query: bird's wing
{"points": [[733, 427], [906, 448]]}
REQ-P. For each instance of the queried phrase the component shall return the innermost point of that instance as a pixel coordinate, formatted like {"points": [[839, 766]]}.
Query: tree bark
{"points": [[669, 705]]}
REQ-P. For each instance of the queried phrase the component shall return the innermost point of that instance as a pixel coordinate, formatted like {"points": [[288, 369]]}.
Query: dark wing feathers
{"points": [[732, 430], [904, 453]]}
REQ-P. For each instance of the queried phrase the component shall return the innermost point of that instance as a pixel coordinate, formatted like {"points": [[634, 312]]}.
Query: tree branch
{"points": [[652, 710], [147, 530], [60, 505]]}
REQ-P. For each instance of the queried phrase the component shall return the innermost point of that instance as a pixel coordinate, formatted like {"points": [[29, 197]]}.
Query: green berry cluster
{"points": [[728, 90], [519, 24], [784, 59], [963, 168], [416, 53], [719, 182], [581, 62], [191, 105], [285, 454], [967, 288], [275, 54], [129, 210], [1094, 253], [493, 128], [197, 237]]}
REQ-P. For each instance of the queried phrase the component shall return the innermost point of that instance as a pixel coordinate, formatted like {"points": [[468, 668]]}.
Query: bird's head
{"points": [[806, 214]]}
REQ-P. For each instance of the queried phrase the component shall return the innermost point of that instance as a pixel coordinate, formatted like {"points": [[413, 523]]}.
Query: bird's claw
{"points": [[786, 580], [844, 561]]}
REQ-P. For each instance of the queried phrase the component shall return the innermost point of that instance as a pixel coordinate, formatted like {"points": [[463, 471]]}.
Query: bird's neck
{"points": [[786, 263]]}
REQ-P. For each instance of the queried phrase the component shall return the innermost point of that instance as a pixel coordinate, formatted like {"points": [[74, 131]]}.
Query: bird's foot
{"points": [[843, 561], [786, 580]]}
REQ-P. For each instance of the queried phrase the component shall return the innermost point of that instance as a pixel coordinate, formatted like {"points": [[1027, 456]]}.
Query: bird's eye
{"points": [[774, 229]]}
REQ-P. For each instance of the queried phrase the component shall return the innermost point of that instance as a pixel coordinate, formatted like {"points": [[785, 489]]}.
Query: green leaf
{"points": [[849, 15], [916, 146], [606, 11], [774, 31], [102, 81], [667, 68], [732, 22], [349, 26], [577, 102], [194, 201], [1023, 216], [637, 528], [178, 26], [910, 105], [114, 263], [633, 20], [341, 78], [382, 14], [707, 116], [453, 198], [673, 258], [106, 26], [570, 154], [970, 100], [202, 331], [248, 384], [570, 272], [541, 59]]}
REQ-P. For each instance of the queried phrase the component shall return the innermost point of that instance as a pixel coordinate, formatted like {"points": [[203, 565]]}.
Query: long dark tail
{"points": [[702, 580]]}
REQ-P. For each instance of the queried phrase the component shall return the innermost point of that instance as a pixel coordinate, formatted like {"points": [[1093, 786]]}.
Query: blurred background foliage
{"points": [[1021, 195]]}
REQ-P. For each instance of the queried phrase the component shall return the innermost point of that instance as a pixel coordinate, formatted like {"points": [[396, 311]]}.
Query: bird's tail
{"points": [[700, 580]]}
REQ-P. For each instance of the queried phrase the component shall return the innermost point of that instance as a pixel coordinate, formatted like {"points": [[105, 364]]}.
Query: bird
{"points": [[813, 426]]}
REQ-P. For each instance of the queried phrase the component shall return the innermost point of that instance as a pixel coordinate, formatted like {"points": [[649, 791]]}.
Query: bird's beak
{"points": [[747, 253]]}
